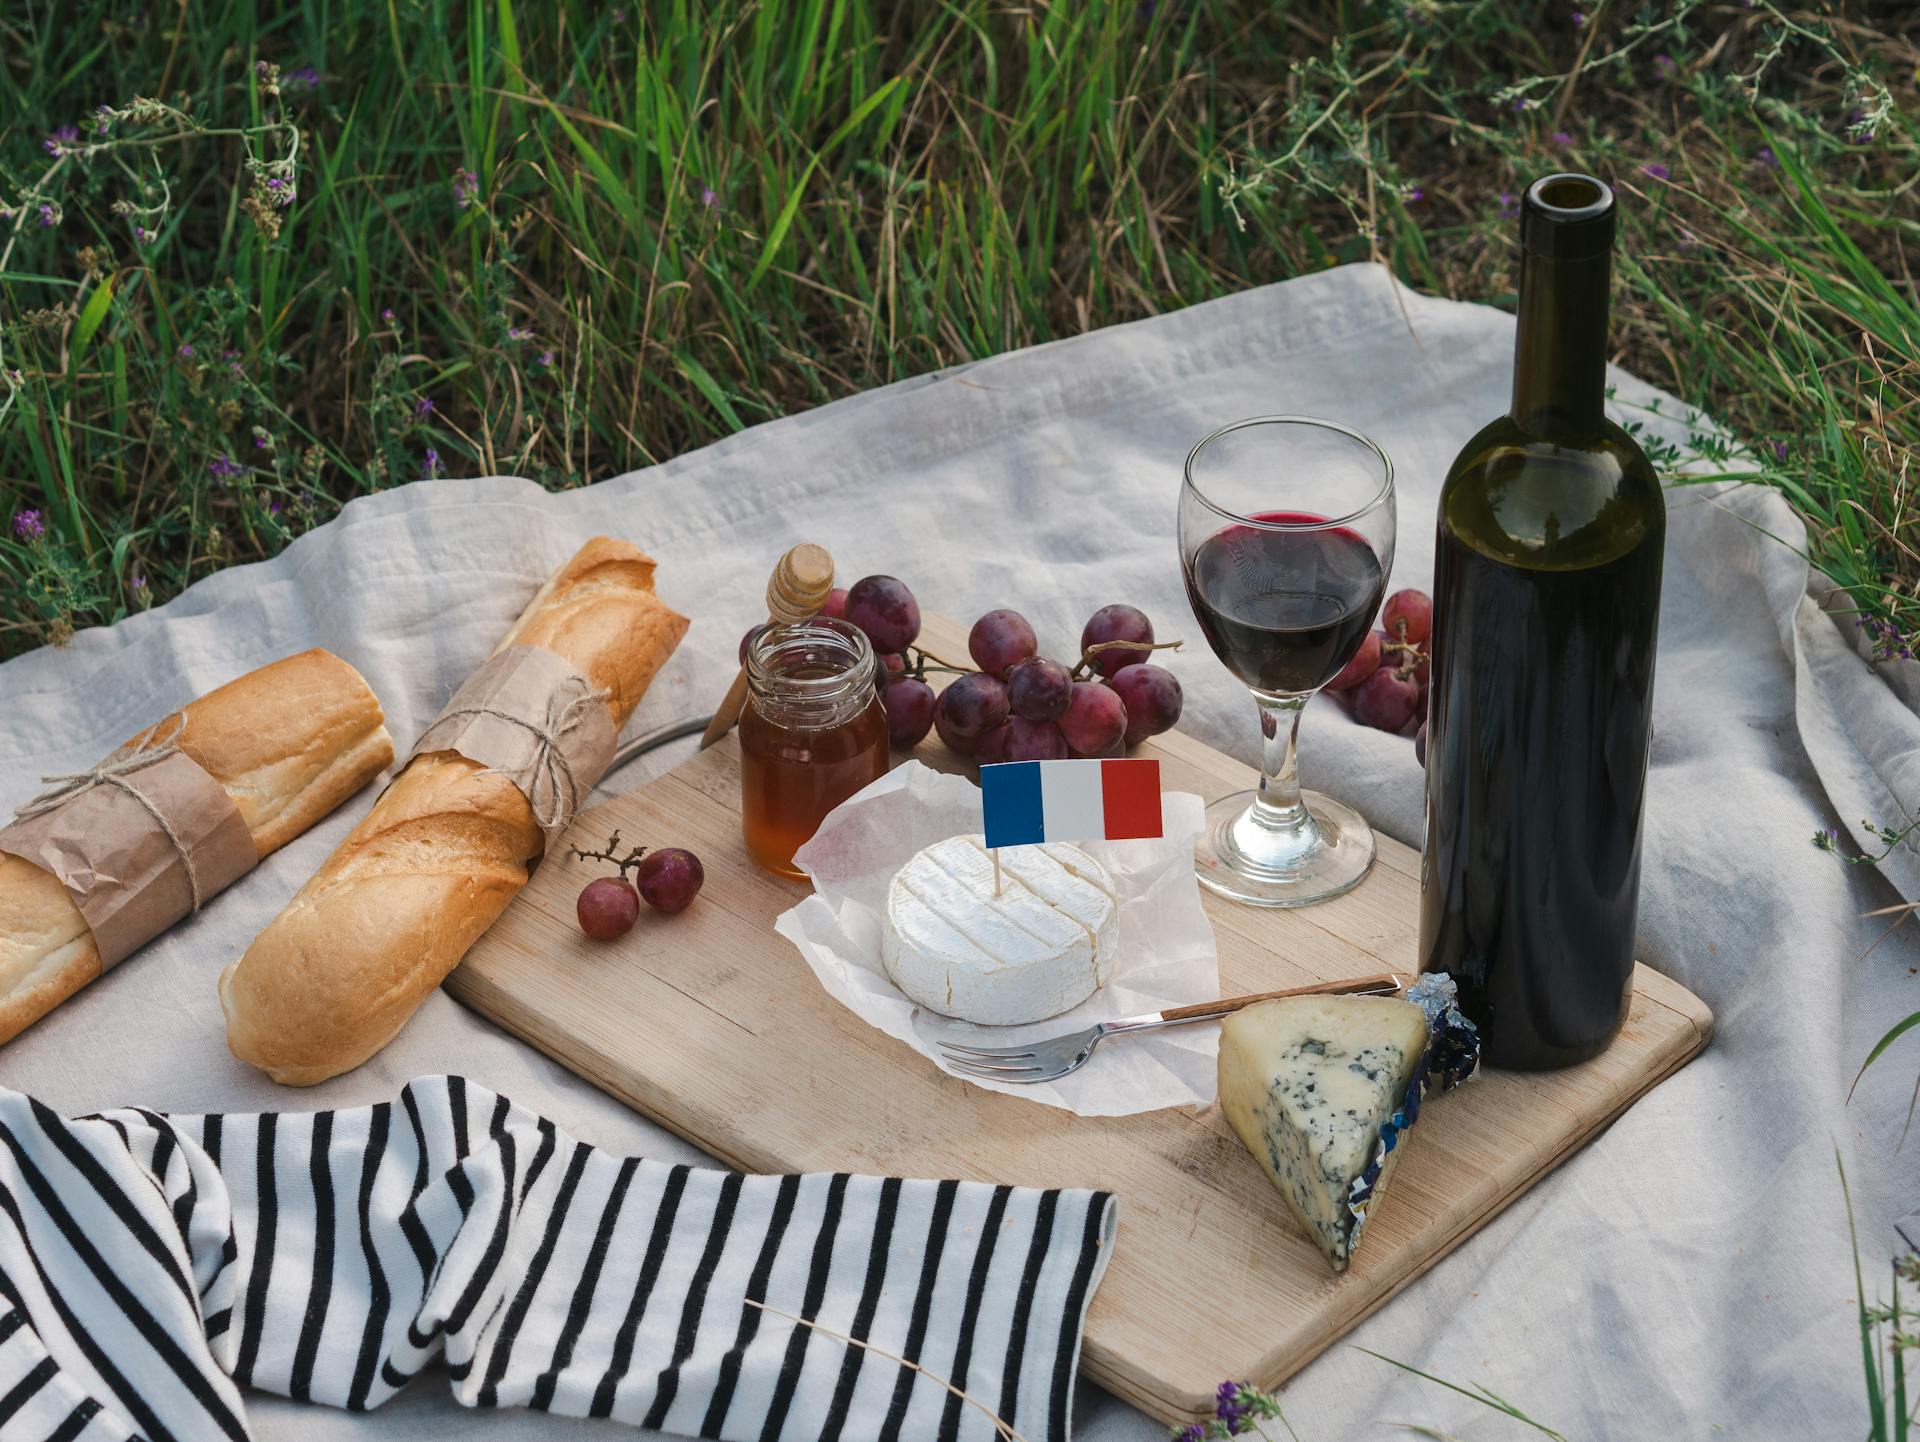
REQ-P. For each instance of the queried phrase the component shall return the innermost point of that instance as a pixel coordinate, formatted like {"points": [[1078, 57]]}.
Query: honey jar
{"points": [[813, 733]]}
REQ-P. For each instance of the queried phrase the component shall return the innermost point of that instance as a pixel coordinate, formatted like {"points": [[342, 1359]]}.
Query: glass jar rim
{"points": [[827, 632], [1373, 503]]}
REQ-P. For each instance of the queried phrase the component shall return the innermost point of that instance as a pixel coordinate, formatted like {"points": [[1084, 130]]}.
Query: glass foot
{"points": [[1322, 854]]}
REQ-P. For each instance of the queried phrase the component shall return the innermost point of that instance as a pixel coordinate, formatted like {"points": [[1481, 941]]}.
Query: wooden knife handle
{"points": [[1380, 985]]}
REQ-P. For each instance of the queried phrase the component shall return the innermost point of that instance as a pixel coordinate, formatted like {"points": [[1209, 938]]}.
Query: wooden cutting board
{"points": [[712, 1025]]}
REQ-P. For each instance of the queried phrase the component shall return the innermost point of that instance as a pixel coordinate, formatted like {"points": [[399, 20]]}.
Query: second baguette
{"points": [[335, 976]]}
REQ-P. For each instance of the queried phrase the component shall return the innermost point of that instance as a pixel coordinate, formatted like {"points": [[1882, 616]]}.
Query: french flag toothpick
{"points": [[1028, 802]]}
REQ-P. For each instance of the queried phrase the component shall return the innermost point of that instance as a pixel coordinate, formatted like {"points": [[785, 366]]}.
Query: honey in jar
{"points": [[813, 733]]}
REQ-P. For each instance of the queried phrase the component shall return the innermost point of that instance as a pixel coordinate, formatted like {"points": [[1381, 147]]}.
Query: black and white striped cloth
{"points": [[151, 1267]]}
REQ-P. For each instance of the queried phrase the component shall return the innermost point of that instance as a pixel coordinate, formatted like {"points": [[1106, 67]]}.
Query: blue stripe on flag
{"points": [[1010, 799]]}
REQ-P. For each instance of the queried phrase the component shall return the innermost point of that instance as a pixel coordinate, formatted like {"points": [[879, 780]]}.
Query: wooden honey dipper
{"points": [[796, 591]]}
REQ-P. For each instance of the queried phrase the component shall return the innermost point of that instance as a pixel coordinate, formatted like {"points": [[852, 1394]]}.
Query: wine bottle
{"points": [[1546, 602]]}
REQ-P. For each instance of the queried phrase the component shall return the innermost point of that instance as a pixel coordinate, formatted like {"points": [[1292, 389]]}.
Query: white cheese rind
{"points": [[1307, 1082], [1042, 946]]}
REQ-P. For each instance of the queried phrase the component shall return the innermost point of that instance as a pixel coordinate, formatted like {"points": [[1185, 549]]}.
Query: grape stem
{"points": [[917, 667], [632, 858], [1085, 666]]}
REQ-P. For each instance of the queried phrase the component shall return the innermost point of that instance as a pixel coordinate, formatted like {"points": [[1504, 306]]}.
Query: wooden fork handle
{"points": [[1383, 984]]}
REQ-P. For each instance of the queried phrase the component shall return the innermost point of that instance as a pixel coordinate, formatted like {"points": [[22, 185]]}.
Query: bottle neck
{"points": [[1560, 352]]}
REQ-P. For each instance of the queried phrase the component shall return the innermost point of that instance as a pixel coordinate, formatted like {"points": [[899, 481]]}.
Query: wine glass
{"points": [[1286, 540]]}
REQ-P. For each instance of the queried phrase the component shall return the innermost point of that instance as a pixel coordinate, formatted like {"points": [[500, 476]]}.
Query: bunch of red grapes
{"points": [[1019, 705], [1385, 684]]}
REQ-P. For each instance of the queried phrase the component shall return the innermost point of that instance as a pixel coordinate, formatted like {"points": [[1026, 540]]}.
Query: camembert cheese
{"points": [[1044, 944], [1315, 1087]]}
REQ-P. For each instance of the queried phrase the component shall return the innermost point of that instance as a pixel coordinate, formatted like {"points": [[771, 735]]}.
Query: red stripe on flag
{"points": [[1130, 791]]}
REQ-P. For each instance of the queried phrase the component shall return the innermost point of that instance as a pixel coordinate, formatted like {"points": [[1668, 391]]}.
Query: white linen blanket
{"points": [[1689, 1271]]}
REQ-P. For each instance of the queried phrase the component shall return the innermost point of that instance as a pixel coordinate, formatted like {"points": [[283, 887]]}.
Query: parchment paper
{"points": [[1166, 955], [117, 863], [554, 740]]}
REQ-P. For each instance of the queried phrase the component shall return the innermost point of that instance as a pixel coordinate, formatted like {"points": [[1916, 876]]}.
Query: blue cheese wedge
{"points": [[1042, 946], [1309, 1083], [1322, 1089]]}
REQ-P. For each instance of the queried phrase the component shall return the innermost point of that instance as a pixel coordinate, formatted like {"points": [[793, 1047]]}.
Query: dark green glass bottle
{"points": [[1546, 602]]}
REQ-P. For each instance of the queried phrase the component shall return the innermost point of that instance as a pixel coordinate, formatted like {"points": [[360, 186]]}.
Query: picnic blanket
{"points": [[1689, 1271]]}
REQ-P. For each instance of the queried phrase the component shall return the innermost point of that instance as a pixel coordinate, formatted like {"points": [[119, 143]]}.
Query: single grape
{"points": [[885, 609], [956, 741], [746, 641], [670, 878], [1095, 719], [1408, 617], [974, 703], [1039, 690], [1152, 697], [835, 606], [1001, 640], [1116, 623], [1420, 744], [1034, 741], [909, 707], [1364, 663], [992, 747], [1387, 699], [607, 908], [888, 667]]}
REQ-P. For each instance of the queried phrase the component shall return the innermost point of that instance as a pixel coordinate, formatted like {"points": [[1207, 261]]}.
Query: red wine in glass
{"points": [[1285, 610]]}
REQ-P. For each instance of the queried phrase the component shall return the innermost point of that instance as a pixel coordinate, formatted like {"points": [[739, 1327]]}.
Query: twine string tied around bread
{"points": [[115, 771], [567, 708]]}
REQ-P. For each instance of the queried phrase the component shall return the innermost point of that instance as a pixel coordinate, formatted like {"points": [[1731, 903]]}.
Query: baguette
{"points": [[336, 975], [288, 742]]}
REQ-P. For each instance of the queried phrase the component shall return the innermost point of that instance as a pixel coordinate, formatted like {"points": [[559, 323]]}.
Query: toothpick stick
{"points": [[996, 871]]}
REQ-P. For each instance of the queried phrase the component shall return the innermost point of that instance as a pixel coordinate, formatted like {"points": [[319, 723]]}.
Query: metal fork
{"points": [[1054, 1057]]}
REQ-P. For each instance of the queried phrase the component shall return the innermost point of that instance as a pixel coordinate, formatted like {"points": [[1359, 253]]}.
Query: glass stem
{"points": [[1277, 804]]}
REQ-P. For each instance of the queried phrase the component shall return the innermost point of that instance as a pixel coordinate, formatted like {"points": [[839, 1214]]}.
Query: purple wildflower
{"points": [[1192, 1432], [62, 140], [1663, 63], [261, 443], [305, 78], [1415, 195], [225, 468], [546, 358], [102, 119], [387, 315], [430, 464], [1561, 137], [466, 186], [1765, 158], [186, 351], [1509, 205], [1579, 19], [49, 217], [423, 408], [28, 525], [142, 234], [519, 332], [139, 582], [282, 190], [1779, 450], [709, 197], [273, 507], [1655, 169]]}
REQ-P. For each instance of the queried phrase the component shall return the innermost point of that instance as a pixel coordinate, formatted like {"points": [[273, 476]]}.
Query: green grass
{"points": [[565, 241]]}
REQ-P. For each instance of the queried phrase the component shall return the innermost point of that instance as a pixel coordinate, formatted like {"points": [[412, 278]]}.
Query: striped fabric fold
{"points": [[151, 1267]]}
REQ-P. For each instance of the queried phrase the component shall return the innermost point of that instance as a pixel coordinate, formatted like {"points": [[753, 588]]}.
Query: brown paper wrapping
{"points": [[124, 873], [529, 715]]}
